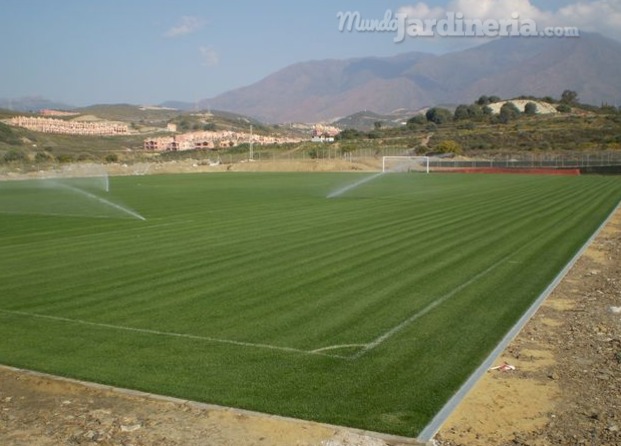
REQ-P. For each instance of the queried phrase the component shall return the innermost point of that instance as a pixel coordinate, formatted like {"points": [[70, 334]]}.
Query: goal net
{"points": [[405, 164]]}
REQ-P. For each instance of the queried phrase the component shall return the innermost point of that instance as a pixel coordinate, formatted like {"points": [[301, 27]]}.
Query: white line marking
{"points": [[335, 347], [172, 334], [439, 301]]}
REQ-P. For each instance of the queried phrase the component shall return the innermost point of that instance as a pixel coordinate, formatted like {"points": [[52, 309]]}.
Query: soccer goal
{"points": [[405, 164]]}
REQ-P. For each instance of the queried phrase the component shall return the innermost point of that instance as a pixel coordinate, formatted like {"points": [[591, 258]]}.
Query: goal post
{"points": [[405, 164]]}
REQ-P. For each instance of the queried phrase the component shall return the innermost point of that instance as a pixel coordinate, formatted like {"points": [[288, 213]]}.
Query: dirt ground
{"points": [[561, 385]]}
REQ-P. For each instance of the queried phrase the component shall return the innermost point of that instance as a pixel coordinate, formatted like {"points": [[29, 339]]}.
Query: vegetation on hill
{"points": [[474, 129], [489, 126]]}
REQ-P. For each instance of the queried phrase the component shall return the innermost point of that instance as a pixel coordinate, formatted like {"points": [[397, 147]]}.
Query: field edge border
{"points": [[428, 433], [390, 439]]}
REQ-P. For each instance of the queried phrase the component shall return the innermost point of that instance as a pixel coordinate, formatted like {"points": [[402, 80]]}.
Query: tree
{"points": [[416, 121], [461, 112], [349, 134], [483, 101], [184, 124], [468, 112], [530, 108], [347, 148], [608, 109], [438, 115], [508, 112], [377, 125], [569, 97]]}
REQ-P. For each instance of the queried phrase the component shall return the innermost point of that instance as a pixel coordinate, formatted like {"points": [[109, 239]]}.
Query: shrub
{"points": [[85, 156], [14, 155], [42, 157], [448, 146], [563, 108], [64, 158], [8, 136], [349, 134]]}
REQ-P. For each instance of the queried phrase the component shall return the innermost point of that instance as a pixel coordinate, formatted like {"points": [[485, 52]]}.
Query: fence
{"points": [[539, 160], [516, 160]]}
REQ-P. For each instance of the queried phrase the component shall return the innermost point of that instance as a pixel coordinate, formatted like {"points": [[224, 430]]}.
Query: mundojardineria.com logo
{"points": [[452, 24]]}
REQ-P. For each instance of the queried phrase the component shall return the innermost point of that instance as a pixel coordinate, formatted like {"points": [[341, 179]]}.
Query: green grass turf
{"points": [[256, 291]]}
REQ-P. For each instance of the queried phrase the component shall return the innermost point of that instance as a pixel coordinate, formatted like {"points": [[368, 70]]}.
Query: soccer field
{"points": [[255, 290]]}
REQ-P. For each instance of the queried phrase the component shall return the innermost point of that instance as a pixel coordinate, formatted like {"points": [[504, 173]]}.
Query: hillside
{"points": [[18, 144], [328, 89], [580, 130]]}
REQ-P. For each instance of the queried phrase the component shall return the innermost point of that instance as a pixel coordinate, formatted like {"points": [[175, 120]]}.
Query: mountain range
{"points": [[324, 90], [32, 103]]}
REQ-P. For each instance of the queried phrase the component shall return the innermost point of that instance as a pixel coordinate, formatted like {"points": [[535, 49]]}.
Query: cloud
{"points": [[422, 11], [186, 25], [480, 9], [603, 16], [209, 56]]}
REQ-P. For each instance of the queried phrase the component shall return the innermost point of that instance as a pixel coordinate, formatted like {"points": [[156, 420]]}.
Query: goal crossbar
{"points": [[405, 163]]}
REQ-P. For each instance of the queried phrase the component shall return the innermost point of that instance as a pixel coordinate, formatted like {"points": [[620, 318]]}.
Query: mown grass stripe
{"points": [[266, 259]]}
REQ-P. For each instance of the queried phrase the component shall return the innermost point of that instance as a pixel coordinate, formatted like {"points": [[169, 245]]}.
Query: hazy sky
{"points": [[83, 52]]}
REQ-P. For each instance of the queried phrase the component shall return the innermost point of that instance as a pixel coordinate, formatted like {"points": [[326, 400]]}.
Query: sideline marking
{"points": [[337, 346], [379, 340], [174, 335], [439, 301]]}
